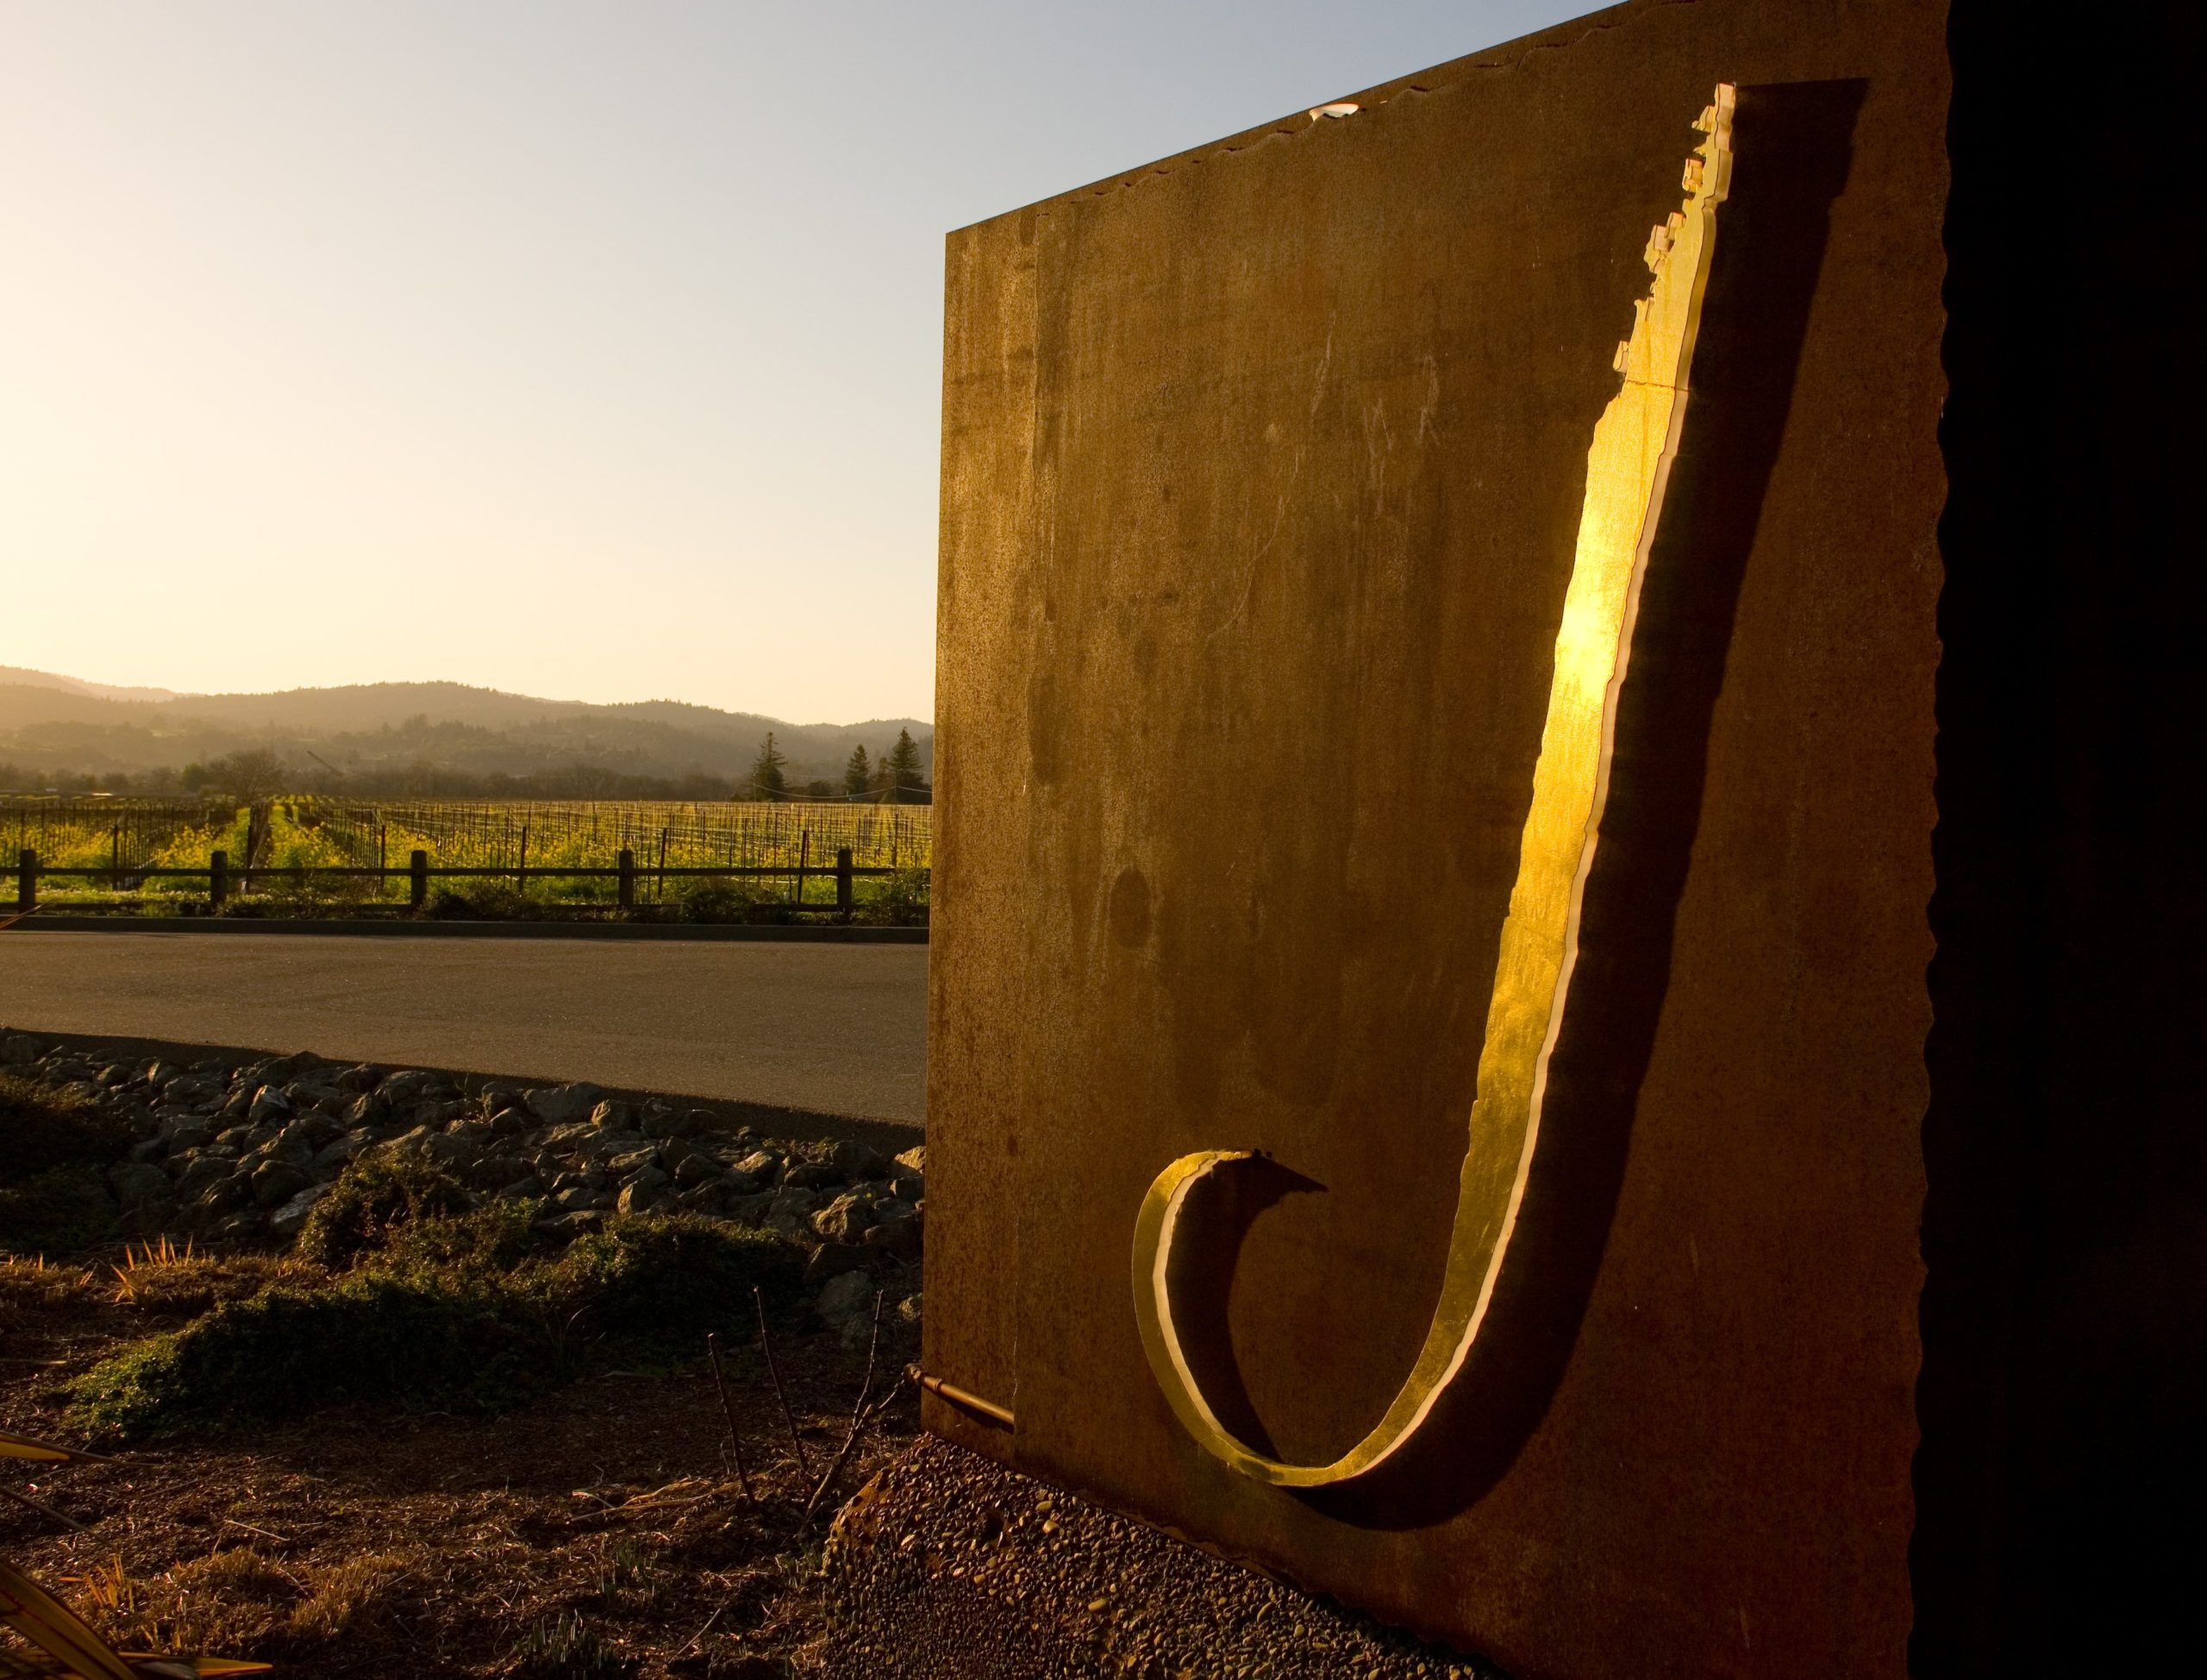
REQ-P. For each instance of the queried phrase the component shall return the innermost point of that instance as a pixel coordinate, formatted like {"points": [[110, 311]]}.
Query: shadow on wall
{"points": [[1794, 143]]}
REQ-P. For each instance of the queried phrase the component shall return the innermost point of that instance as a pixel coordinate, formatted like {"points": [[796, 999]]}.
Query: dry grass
{"points": [[31, 1287], [161, 1279], [601, 1518]]}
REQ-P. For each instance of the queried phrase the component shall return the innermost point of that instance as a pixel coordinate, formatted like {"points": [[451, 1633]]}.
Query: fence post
{"points": [[114, 859], [803, 845], [843, 880], [418, 865], [218, 879], [27, 879], [628, 879], [521, 865]]}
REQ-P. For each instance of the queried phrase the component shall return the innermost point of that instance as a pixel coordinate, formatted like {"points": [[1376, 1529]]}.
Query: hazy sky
{"points": [[586, 350]]}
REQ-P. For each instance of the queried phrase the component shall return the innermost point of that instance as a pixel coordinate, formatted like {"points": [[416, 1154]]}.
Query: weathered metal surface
{"points": [[1263, 471]]}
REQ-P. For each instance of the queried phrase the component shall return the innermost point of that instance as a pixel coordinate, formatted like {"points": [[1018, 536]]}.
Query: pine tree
{"points": [[858, 774], [902, 763], [768, 780]]}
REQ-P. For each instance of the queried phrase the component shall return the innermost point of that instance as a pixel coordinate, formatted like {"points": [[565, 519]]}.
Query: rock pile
{"points": [[240, 1155]]}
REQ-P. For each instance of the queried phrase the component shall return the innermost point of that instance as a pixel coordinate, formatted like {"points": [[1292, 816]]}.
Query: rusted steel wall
{"points": [[1262, 470]]}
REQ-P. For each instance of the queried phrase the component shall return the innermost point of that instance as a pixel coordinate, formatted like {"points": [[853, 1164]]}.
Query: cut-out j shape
{"points": [[1627, 467]]}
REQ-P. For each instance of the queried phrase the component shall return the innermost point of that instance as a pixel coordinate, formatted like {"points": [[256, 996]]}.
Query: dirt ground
{"points": [[600, 1530]]}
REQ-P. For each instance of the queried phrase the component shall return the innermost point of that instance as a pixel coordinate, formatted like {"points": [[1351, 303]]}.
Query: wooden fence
{"points": [[221, 880]]}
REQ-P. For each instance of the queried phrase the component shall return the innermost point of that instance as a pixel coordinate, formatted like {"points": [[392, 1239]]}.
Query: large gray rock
{"points": [[333, 1156], [847, 1292], [695, 1166], [846, 1220], [751, 1209], [283, 1068], [846, 1306], [901, 1234], [662, 1119], [290, 1219], [136, 1183], [313, 1130], [760, 1165], [455, 1154], [292, 1151], [369, 1108], [408, 1085], [563, 1105], [221, 1199], [566, 1226], [856, 1161], [275, 1183], [199, 1171], [495, 1171], [794, 1203]]}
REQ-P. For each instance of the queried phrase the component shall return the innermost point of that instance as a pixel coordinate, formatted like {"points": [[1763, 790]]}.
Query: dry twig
{"points": [[734, 1440], [42, 1508], [765, 1346], [858, 1413]]}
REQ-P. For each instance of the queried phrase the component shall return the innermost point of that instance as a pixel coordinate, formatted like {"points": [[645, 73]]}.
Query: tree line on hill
{"points": [[414, 739], [895, 777]]}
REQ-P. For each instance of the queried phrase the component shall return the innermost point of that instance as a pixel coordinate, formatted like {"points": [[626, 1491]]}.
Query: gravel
{"points": [[946, 1564]]}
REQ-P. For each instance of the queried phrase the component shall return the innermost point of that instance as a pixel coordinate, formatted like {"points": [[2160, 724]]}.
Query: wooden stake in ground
{"points": [[767, 1347], [734, 1440], [858, 1413]]}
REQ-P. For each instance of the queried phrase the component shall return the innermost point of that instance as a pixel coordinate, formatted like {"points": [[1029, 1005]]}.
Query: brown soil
{"points": [[376, 1541]]}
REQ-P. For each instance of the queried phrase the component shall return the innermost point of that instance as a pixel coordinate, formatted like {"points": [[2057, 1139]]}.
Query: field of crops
{"points": [[125, 836], [91, 832], [591, 833]]}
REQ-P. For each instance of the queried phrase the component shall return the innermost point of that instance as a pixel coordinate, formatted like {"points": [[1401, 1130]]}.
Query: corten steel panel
{"points": [[1262, 470]]}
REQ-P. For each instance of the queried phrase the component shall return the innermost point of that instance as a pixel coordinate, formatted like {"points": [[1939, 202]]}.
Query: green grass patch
{"points": [[464, 1315], [381, 1192], [53, 1151], [564, 1647]]}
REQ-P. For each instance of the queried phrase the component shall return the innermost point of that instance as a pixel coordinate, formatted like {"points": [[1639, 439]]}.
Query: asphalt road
{"points": [[832, 1029]]}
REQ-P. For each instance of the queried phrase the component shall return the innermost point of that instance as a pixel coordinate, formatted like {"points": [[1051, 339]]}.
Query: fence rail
{"points": [[419, 872]]}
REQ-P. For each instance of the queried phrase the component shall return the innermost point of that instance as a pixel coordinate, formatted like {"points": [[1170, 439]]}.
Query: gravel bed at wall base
{"points": [[946, 1564], [235, 1157]]}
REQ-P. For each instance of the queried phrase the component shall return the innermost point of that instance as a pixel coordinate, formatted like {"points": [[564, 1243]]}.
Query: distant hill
{"points": [[46, 679], [53, 724]]}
